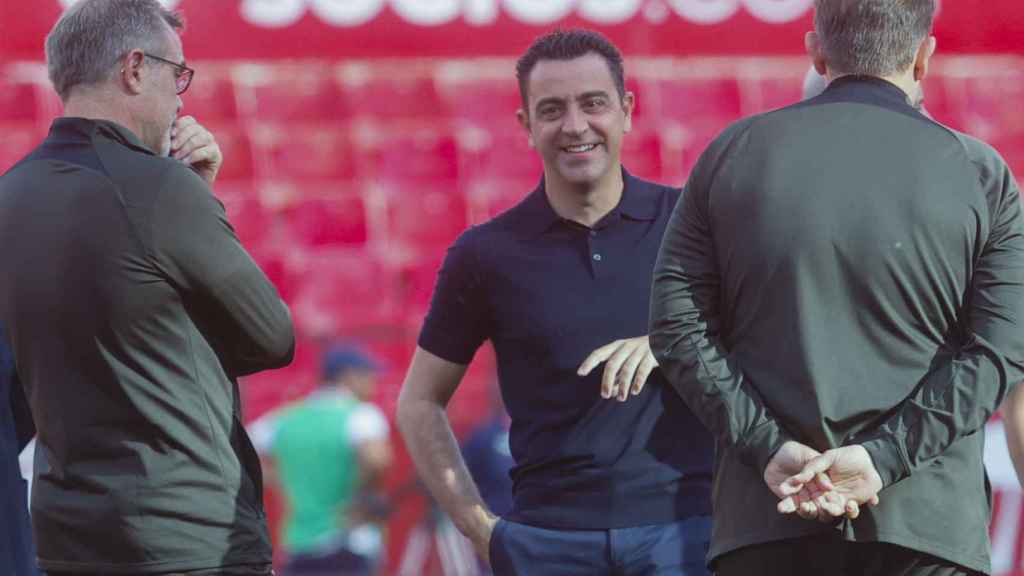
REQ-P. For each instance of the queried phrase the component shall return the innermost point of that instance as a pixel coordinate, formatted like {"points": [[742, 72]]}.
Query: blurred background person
{"points": [[17, 552], [327, 452]]}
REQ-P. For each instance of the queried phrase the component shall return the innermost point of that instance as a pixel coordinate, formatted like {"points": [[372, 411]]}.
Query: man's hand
{"points": [[195, 146], [481, 537], [840, 480], [808, 500], [628, 363]]}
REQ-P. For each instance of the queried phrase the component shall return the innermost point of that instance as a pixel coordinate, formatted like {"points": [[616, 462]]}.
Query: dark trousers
{"points": [[676, 549], [337, 562], [830, 554]]}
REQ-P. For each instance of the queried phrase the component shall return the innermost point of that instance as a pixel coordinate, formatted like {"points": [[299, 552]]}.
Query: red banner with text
{"points": [[338, 29]]}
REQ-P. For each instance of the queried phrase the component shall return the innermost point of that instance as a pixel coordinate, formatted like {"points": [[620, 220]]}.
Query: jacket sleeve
{"points": [[227, 293], [959, 395], [685, 324]]}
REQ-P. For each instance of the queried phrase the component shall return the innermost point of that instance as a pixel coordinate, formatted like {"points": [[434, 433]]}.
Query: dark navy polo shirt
{"points": [[547, 292]]}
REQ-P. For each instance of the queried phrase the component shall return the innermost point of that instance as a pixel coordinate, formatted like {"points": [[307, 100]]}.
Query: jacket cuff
{"points": [[889, 457], [762, 444]]}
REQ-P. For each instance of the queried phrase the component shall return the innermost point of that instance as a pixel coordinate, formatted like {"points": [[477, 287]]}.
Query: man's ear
{"points": [[131, 71], [628, 105], [524, 120], [812, 43], [924, 55]]}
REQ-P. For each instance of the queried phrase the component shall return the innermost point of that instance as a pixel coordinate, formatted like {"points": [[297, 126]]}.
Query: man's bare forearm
{"points": [[428, 434]]}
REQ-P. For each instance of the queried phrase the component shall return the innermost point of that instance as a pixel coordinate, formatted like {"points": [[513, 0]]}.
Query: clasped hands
{"points": [[822, 486]]}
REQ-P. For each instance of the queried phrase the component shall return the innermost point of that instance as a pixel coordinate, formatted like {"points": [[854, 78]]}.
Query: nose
{"points": [[574, 122]]}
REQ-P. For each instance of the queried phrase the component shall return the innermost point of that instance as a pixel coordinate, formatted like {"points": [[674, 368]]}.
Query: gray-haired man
{"points": [[132, 309], [839, 298]]}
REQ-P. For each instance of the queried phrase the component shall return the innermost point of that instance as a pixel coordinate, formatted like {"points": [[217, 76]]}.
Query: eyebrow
{"points": [[557, 100]]}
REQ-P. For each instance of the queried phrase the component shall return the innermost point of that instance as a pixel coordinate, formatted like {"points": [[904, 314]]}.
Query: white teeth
{"points": [[580, 148]]}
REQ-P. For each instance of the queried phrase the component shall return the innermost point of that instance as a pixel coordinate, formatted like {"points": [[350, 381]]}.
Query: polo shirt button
{"points": [[597, 257]]}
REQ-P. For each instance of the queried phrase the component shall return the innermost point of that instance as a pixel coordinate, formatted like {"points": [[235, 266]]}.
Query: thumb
{"points": [[816, 466]]}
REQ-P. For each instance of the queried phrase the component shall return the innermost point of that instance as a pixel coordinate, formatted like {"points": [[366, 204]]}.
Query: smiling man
{"points": [[132, 309], [560, 284]]}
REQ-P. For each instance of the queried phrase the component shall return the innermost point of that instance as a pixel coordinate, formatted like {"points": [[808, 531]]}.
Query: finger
{"points": [[824, 481], [807, 510], [596, 357], [643, 372], [832, 504], [207, 155], [180, 124], [611, 370], [624, 379], [190, 139], [852, 509], [816, 466], [786, 506], [873, 501]]}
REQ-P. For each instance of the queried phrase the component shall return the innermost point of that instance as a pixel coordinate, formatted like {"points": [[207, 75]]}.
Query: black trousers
{"points": [[830, 555]]}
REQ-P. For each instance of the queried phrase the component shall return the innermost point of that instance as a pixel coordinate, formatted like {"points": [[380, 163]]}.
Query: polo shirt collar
{"points": [[635, 204], [87, 128]]}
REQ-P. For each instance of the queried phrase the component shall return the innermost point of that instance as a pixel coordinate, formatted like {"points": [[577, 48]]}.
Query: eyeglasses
{"points": [[182, 74]]}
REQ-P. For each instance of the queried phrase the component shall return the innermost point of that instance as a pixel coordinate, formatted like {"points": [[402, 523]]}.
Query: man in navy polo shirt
{"points": [[561, 284], [17, 553]]}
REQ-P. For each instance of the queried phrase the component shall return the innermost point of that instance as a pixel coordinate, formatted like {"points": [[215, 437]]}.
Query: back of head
{"points": [[569, 45], [872, 37], [84, 46]]}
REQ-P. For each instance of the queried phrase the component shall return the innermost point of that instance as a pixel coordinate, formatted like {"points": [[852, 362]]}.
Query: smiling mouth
{"points": [[580, 148]]}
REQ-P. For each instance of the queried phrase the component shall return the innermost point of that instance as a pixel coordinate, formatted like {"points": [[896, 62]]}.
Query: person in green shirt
{"points": [[327, 452]]}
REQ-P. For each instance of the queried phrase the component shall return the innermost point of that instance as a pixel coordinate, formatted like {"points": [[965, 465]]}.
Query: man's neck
{"points": [[96, 106], [904, 81], [585, 204]]}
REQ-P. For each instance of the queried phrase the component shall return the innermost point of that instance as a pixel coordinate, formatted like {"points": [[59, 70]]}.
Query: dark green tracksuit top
{"points": [[132, 309], [845, 271]]}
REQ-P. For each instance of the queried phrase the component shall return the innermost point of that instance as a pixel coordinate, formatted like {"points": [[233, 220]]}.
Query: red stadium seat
{"points": [[290, 93], [20, 101], [345, 293], [642, 155], [489, 197], [691, 100], [421, 217], [384, 92], [401, 151], [771, 93], [497, 154], [991, 102], [327, 214], [19, 138], [482, 102], [285, 151], [237, 150], [252, 223], [211, 98]]}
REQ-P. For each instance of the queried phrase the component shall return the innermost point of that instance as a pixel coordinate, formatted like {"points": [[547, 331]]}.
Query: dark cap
{"points": [[340, 358]]}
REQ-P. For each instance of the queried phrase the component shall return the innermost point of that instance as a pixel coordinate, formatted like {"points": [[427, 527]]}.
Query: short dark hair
{"points": [[872, 37], [569, 45]]}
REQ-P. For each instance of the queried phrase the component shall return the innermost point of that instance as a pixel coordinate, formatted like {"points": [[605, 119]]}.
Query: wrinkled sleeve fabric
{"points": [[457, 323], [685, 324], [960, 394], [196, 247]]}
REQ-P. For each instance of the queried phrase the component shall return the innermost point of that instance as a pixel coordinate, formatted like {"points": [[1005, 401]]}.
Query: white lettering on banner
{"points": [[608, 11], [705, 11], [778, 11], [427, 12], [481, 12], [348, 13], [539, 12], [273, 13]]}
